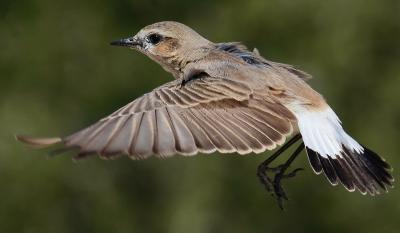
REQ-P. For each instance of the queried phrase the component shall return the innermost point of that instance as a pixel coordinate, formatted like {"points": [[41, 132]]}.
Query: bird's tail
{"points": [[38, 142], [332, 151]]}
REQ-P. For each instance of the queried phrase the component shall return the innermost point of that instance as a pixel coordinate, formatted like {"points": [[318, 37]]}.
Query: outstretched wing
{"points": [[204, 115]]}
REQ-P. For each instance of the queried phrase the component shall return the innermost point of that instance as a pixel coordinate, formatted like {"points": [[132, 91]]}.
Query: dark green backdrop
{"points": [[58, 74]]}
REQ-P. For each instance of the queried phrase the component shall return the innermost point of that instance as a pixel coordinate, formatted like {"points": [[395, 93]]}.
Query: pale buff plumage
{"points": [[224, 98]]}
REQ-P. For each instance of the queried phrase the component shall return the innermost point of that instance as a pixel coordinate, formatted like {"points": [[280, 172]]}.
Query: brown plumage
{"points": [[202, 116], [228, 99]]}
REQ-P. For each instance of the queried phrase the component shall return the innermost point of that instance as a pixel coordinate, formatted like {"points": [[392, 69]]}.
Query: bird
{"points": [[226, 98]]}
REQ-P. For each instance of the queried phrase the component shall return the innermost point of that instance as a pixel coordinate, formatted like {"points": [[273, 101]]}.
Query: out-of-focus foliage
{"points": [[58, 74]]}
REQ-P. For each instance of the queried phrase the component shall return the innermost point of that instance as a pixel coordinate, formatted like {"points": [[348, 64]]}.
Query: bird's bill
{"points": [[128, 42]]}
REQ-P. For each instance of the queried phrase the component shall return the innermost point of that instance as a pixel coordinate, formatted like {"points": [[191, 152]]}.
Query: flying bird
{"points": [[229, 99]]}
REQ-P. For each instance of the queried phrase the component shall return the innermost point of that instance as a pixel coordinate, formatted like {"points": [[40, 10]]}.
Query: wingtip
{"points": [[37, 142]]}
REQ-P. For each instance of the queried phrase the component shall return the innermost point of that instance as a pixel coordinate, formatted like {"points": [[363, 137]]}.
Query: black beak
{"points": [[129, 42]]}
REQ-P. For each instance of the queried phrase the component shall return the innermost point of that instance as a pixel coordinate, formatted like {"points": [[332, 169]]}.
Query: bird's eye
{"points": [[154, 38]]}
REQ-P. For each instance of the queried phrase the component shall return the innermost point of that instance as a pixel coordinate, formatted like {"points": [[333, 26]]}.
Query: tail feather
{"points": [[344, 174], [354, 171], [38, 142], [333, 152], [329, 170], [380, 173], [315, 162]]}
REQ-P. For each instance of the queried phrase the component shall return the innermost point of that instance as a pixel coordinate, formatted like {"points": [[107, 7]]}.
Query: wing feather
{"points": [[204, 115], [246, 134], [165, 139], [122, 139], [216, 136], [228, 132], [184, 140], [144, 141]]}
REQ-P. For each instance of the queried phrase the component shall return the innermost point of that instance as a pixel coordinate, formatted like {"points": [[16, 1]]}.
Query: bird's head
{"points": [[168, 43]]}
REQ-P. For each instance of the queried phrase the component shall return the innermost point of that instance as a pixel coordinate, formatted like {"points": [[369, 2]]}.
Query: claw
{"points": [[292, 174], [278, 191], [274, 186], [280, 194], [265, 180], [278, 169]]}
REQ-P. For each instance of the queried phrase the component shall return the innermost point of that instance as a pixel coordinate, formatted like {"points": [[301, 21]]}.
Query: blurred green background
{"points": [[58, 74]]}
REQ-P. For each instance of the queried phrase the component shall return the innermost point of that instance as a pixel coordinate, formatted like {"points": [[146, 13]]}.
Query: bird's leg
{"points": [[280, 194], [273, 186], [264, 166]]}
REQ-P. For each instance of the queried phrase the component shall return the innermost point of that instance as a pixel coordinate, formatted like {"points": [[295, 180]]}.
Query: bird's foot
{"points": [[274, 186]]}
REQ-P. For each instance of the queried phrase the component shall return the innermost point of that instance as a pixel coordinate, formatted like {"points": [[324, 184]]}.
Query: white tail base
{"points": [[322, 132]]}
